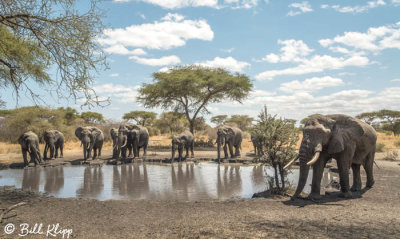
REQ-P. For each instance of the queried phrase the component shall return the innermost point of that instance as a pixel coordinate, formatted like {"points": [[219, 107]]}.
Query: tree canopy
{"points": [[388, 120], [140, 117], [219, 119], [243, 122], [190, 89], [92, 117], [38, 36]]}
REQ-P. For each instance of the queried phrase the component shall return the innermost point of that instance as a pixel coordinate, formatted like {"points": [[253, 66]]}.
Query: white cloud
{"points": [[114, 75], [310, 85], [163, 61], [300, 8], [142, 16], [119, 93], [375, 39], [315, 64], [172, 31], [355, 9], [292, 51], [174, 4], [121, 50], [229, 63], [396, 80]]}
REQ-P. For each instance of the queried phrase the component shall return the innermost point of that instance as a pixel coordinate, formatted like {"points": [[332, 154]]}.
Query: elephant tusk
{"points": [[291, 162], [314, 159], [126, 141], [81, 145]]}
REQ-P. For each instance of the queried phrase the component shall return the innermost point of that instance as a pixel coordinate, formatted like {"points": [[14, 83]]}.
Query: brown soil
{"points": [[372, 214]]}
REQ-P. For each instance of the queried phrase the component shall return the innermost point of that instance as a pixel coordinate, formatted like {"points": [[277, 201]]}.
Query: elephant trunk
{"points": [[304, 156]]}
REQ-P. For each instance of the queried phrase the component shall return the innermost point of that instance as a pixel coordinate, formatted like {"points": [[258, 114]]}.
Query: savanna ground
{"points": [[372, 214]]}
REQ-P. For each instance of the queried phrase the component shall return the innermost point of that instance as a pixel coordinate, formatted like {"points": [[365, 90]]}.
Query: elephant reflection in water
{"points": [[258, 177], [92, 182], [131, 181], [231, 182], [54, 179], [31, 179]]}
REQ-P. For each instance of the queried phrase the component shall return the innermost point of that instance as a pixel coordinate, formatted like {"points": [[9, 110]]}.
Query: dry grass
{"points": [[11, 152]]}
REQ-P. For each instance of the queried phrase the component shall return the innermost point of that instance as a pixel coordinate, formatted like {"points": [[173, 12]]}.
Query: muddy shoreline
{"points": [[373, 214]]}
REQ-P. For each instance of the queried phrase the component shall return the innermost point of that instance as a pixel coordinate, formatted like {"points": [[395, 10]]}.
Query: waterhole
{"points": [[186, 181]]}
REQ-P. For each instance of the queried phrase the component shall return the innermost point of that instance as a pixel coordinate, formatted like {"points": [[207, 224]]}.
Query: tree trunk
{"points": [[191, 126]]}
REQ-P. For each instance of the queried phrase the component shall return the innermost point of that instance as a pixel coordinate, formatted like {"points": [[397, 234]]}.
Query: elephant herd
{"points": [[127, 140], [348, 140]]}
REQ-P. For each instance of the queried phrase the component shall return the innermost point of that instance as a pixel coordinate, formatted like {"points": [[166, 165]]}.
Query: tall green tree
{"points": [[190, 89], [171, 122], [140, 117], [92, 117], [219, 119], [243, 122], [388, 120], [37, 36]]}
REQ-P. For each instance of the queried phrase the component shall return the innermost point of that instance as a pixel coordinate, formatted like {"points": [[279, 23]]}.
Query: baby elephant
{"points": [[184, 139], [54, 141], [29, 142]]}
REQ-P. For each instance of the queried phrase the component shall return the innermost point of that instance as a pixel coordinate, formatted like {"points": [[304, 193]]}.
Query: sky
{"points": [[303, 57]]}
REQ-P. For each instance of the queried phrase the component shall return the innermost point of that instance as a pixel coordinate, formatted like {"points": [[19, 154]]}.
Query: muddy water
{"points": [[186, 182]]}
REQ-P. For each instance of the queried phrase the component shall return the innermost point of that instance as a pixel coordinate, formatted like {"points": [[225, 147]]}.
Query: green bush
{"points": [[380, 147]]}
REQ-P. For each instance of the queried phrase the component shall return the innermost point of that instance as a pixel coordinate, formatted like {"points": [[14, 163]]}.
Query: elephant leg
{"points": [[61, 151], [237, 151], [369, 168], [191, 149], [225, 151], [356, 177], [39, 157], [45, 151], [318, 171], [231, 150], [56, 153], [94, 153], [187, 152], [180, 154], [52, 151], [343, 166], [100, 147], [145, 149], [25, 156], [130, 151]]}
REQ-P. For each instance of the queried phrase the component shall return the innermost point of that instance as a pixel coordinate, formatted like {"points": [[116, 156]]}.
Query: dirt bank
{"points": [[374, 214]]}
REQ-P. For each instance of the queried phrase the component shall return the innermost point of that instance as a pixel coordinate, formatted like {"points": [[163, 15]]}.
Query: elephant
{"points": [[139, 136], [348, 140], [29, 142], [132, 137], [54, 140], [114, 137], [229, 136], [257, 145], [91, 138], [180, 141]]}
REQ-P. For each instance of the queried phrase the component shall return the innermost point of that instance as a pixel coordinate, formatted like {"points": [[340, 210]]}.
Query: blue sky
{"points": [[303, 57]]}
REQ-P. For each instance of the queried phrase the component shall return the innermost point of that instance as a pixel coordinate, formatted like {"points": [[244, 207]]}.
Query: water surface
{"points": [[188, 182]]}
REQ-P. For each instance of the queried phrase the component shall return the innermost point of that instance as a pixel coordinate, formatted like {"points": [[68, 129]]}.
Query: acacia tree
{"points": [[141, 117], [384, 119], [190, 89], [92, 117], [37, 36], [219, 119], [243, 122], [171, 122]]}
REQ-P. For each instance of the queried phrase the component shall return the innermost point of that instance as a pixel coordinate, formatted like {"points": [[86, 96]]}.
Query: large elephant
{"points": [[139, 136], [124, 141], [91, 138], [114, 137], [348, 140], [29, 142], [229, 136], [132, 137], [180, 141], [54, 140]]}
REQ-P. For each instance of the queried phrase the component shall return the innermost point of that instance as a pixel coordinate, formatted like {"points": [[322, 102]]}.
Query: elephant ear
{"points": [[182, 139], [95, 132], [230, 132], [78, 132], [345, 130]]}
